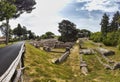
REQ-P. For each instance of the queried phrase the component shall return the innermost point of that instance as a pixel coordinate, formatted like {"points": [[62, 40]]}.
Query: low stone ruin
{"points": [[55, 61], [105, 52], [83, 67], [68, 49], [64, 45], [35, 44], [116, 65], [87, 51], [83, 64], [107, 66], [108, 60], [52, 43], [46, 48], [62, 58]]}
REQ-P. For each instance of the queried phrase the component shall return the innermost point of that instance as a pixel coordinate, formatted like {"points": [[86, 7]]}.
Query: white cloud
{"points": [[83, 0], [117, 0], [89, 24], [102, 5], [44, 18]]}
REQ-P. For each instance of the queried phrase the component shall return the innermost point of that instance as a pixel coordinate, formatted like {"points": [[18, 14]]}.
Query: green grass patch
{"points": [[39, 65], [40, 69]]}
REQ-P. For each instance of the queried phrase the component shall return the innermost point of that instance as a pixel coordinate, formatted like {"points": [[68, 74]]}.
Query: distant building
{"points": [[2, 39]]}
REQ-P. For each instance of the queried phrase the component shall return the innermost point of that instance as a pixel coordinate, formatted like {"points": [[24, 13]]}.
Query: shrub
{"points": [[111, 39], [96, 37]]}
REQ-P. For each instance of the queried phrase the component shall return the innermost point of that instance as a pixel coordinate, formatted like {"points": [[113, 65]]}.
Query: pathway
{"points": [[74, 60]]}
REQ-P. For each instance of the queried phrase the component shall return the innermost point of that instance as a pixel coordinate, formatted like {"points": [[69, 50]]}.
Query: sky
{"points": [[86, 14]]}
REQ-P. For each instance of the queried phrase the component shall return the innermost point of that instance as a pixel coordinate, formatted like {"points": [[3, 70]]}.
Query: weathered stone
{"points": [[55, 61], [84, 70], [83, 64], [46, 48], [87, 51], [105, 52], [116, 65], [63, 57]]}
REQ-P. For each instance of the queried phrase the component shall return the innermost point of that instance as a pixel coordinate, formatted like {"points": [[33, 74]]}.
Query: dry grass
{"points": [[40, 69]]}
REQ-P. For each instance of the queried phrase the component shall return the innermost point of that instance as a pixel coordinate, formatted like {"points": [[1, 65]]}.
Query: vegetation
{"points": [[7, 11], [13, 9], [22, 6], [96, 37], [110, 33], [18, 31], [68, 31], [83, 33], [23, 33], [40, 69], [105, 24], [39, 66], [47, 35], [114, 23], [111, 39]]}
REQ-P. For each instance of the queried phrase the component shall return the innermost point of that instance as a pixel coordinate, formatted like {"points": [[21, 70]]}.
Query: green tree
{"points": [[21, 32], [83, 33], [47, 35], [23, 6], [50, 34], [105, 25], [114, 24], [31, 34], [68, 31], [18, 31], [7, 11], [24, 30], [43, 36]]}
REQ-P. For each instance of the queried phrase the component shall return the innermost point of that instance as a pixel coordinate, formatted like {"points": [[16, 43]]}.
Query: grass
{"points": [[40, 69], [3, 44], [97, 72]]}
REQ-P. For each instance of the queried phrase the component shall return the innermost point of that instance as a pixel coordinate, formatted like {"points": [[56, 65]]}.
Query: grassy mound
{"points": [[40, 69]]}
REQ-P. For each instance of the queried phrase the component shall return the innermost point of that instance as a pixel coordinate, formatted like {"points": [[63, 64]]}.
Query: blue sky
{"points": [[86, 14]]}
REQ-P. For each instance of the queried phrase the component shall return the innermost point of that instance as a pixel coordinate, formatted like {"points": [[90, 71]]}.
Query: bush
{"points": [[109, 42], [111, 39], [96, 37]]}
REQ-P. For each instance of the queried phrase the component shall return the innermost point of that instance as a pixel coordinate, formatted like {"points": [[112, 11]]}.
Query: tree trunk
{"points": [[7, 31]]}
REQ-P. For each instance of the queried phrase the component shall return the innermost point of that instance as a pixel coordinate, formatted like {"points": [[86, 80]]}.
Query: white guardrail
{"points": [[6, 77]]}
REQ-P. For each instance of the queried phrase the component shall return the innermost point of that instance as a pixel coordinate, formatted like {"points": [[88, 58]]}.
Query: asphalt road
{"points": [[8, 55]]}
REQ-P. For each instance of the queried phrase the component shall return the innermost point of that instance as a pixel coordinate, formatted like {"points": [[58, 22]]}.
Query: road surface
{"points": [[8, 55]]}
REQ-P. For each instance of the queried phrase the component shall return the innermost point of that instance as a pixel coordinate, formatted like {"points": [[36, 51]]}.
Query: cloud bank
{"points": [[102, 5]]}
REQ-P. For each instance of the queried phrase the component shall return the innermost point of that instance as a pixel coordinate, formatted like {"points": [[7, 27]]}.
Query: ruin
{"points": [[105, 52], [87, 51]]}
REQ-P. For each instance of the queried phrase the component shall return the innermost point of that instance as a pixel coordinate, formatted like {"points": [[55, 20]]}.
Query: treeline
{"points": [[18, 33], [10, 9], [69, 32], [110, 31]]}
